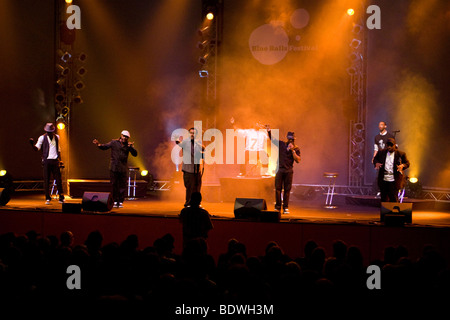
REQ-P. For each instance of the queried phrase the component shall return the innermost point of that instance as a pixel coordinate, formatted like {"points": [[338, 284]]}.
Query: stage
{"points": [[157, 214]]}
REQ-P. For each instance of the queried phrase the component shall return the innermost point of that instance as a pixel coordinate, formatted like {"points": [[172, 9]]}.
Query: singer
{"points": [[288, 152], [192, 174], [390, 163], [118, 165]]}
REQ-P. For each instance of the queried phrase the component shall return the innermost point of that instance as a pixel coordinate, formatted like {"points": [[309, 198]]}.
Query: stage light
{"points": [[355, 43], [82, 57], [79, 85], [203, 59], [77, 99], [202, 44], [203, 73], [210, 16], [62, 70], [203, 31], [65, 111], [350, 12], [81, 71], [60, 123], [351, 71], [413, 180], [144, 173], [60, 97], [357, 28], [64, 55], [2, 173], [68, 1]]}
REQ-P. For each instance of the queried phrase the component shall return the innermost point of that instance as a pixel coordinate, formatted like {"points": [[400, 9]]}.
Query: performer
{"points": [[120, 148], [192, 175], [51, 160], [381, 138], [288, 153], [390, 163]]}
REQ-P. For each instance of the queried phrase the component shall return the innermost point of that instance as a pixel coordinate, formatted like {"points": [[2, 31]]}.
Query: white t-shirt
{"points": [[389, 167], [52, 152]]}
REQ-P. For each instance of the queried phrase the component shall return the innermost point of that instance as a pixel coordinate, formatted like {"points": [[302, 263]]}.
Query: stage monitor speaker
{"points": [[70, 207], [4, 196], [97, 201], [249, 208], [395, 213]]}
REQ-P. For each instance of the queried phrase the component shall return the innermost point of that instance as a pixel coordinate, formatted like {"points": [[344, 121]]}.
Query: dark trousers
{"points": [[51, 167], [193, 183], [388, 191], [283, 181], [119, 183]]}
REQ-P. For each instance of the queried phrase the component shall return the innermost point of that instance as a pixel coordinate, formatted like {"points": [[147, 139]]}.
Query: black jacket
{"points": [[399, 158]]}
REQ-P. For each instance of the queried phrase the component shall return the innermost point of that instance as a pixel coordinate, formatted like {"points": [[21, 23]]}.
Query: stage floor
{"points": [[300, 211]]}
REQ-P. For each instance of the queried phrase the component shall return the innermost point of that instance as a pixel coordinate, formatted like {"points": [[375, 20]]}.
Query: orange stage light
{"points": [[350, 12], [210, 16]]}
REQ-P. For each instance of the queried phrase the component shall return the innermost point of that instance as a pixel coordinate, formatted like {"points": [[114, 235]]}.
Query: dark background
{"points": [[143, 77]]}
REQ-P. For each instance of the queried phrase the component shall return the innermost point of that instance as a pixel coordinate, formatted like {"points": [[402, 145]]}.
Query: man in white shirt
{"points": [[51, 157], [391, 162]]}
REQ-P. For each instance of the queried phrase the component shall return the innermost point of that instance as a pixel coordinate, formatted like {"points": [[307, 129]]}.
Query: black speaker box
{"points": [[254, 209], [395, 213], [97, 201], [70, 207], [4, 196]]}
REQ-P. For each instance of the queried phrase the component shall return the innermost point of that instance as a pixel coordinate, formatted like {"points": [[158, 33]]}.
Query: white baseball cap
{"points": [[125, 133]]}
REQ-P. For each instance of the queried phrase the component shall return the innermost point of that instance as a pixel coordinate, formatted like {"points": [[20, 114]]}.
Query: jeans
{"points": [[119, 183], [283, 181]]}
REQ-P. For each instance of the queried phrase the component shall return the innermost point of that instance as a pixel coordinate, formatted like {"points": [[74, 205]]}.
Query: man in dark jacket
{"points": [[391, 162], [118, 165]]}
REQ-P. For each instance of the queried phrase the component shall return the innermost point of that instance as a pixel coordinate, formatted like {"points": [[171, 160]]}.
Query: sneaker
{"points": [[116, 204], [285, 210], [61, 200], [47, 201], [120, 205], [277, 208]]}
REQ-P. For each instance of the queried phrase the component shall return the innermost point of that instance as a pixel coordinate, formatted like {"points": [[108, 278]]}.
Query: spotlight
{"points": [[202, 44], [2, 173], [203, 59], [77, 99], [62, 70], [144, 173], [81, 71], [355, 43], [65, 56], [210, 16], [60, 82], [60, 97], [355, 56], [60, 123], [357, 28], [350, 12], [413, 180], [79, 85], [82, 57], [65, 111], [68, 1], [203, 31], [413, 188], [203, 73], [351, 71]]}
